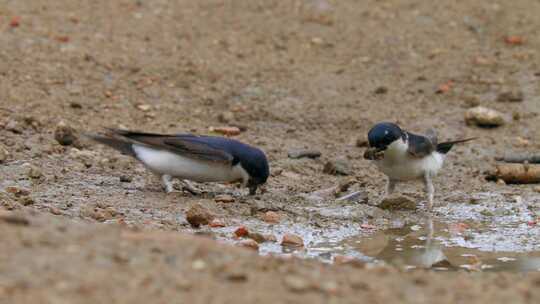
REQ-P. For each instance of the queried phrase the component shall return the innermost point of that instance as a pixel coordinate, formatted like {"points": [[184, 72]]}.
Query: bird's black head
{"points": [[255, 163], [252, 159], [383, 134]]}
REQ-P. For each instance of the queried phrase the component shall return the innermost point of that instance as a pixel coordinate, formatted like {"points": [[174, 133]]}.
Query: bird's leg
{"points": [[167, 183], [390, 186], [190, 187], [430, 190], [429, 228]]}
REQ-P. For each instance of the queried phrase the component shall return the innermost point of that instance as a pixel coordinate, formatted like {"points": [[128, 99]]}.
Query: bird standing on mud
{"points": [[403, 156], [192, 157]]}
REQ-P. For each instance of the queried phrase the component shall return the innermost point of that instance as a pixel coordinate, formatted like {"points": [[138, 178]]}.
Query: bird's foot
{"points": [[189, 187], [168, 184]]}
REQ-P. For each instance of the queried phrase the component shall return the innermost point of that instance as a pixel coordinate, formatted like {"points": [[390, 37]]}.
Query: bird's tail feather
{"points": [[444, 147], [123, 146]]}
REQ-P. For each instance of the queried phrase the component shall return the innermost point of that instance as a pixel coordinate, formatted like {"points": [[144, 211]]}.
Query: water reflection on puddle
{"points": [[433, 245]]}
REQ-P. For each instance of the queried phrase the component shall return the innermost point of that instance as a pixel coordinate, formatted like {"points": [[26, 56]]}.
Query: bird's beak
{"points": [[252, 190], [374, 153]]}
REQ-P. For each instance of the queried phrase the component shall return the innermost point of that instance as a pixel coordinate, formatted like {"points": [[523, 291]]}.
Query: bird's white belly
{"points": [[407, 167], [164, 162]]}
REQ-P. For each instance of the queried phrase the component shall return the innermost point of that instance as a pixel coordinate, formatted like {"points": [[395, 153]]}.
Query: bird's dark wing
{"points": [[419, 146], [187, 145], [198, 149]]}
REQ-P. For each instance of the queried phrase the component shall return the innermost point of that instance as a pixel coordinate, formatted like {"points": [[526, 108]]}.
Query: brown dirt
{"points": [[295, 76]]}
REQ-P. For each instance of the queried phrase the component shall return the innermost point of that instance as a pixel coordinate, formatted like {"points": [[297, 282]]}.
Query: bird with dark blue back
{"points": [[404, 156], [192, 157]]}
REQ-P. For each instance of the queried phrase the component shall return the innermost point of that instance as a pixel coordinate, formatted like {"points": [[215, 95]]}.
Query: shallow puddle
{"points": [[441, 246], [491, 234]]}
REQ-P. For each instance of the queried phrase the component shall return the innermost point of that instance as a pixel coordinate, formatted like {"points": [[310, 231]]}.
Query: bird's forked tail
{"points": [[444, 147]]}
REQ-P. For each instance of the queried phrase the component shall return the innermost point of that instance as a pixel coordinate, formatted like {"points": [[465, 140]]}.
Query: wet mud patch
{"points": [[491, 232]]}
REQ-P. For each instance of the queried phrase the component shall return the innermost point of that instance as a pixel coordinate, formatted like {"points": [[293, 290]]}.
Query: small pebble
{"points": [[522, 142], [241, 231], [276, 172], [34, 172], [381, 90], [17, 191], [87, 211], [271, 217], [227, 131], [65, 135], [510, 96], [15, 21], [330, 287], [337, 167], [224, 198], [484, 117], [238, 275], [198, 215], [270, 238], [486, 213], [144, 107], [31, 121], [342, 259], [317, 41], [75, 105], [290, 239], [125, 179], [257, 237], [303, 153], [55, 211], [198, 264], [471, 101], [249, 243], [397, 202], [26, 200], [514, 40], [14, 127], [101, 215]]}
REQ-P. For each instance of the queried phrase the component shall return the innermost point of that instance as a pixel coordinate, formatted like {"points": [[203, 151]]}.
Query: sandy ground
{"points": [[292, 74]]}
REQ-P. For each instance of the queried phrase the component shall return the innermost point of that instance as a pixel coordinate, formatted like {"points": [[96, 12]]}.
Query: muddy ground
{"points": [[81, 223]]}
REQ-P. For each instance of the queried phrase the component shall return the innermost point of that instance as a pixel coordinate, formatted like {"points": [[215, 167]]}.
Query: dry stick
{"points": [[516, 173], [519, 158]]}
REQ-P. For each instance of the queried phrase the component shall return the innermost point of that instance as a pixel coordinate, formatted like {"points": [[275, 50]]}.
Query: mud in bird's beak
{"points": [[374, 153]]}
